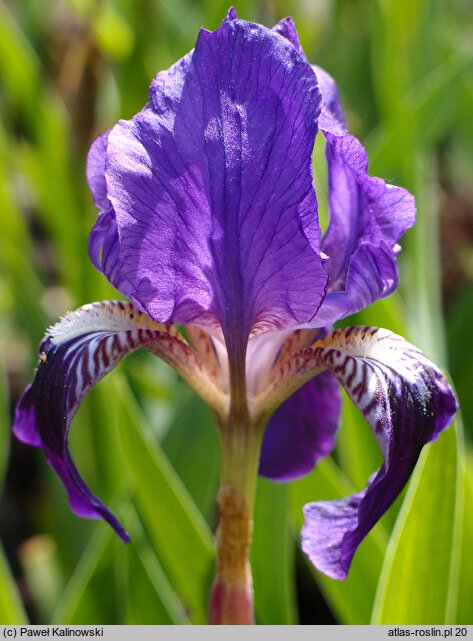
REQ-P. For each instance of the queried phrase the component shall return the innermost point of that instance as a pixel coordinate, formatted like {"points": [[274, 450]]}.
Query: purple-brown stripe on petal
{"points": [[407, 402], [74, 356]]}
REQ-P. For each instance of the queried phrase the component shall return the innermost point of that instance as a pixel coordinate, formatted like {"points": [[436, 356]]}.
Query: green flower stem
{"points": [[231, 600]]}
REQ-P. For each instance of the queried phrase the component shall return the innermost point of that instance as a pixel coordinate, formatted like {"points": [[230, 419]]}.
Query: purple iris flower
{"points": [[208, 220]]}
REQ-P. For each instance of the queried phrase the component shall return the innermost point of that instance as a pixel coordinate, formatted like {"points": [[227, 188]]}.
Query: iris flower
{"points": [[208, 221]]}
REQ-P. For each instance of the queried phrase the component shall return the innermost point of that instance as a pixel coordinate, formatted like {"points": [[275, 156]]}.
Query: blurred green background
{"points": [[69, 70]]}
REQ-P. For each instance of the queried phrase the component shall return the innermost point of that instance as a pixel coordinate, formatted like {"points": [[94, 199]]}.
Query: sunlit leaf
{"points": [[11, 609], [176, 528], [191, 444], [464, 613], [77, 603], [272, 556], [416, 582], [148, 595]]}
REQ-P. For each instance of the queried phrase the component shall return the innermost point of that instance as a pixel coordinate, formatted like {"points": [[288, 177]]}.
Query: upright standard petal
{"points": [[407, 402], [287, 29], [211, 185], [364, 211], [75, 355], [367, 218], [103, 243]]}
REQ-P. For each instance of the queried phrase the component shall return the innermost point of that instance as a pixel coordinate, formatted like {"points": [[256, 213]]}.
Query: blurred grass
{"points": [[405, 74]]}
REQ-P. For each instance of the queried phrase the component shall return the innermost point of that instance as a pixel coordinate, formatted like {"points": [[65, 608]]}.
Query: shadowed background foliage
{"points": [[146, 445]]}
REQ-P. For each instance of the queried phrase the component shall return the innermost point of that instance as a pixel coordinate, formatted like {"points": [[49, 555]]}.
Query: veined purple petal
{"points": [[363, 209], [96, 172], [211, 186], [366, 214], [75, 355], [302, 430], [103, 243], [407, 402], [372, 275], [287, 29], [332, 118]]}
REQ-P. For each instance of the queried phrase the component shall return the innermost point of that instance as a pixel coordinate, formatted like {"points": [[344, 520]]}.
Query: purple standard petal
{"points": [[211, 186], [367, 218], [103, 243], [96, 172], [363, 210], [75, 355], [287, 29], [407, 402], [332, 118], [302, 430]]}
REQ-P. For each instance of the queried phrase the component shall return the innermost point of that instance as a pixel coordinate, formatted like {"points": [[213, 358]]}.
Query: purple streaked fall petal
{"points": [[76, 354], [211, 187], [407, 402]]}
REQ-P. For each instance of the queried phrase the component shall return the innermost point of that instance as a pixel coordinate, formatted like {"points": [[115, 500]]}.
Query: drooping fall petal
{"points": [[76, 354], [407, 403]]}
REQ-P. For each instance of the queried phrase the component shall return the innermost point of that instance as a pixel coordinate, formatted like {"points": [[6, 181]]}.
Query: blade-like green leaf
{"points": [[176, 528], [418, 578], [351, 600], [139, 594], [4, 423], [148, 597], [465, 585], [11, 608], [272, 556], [19, 68], [193, 430], [77, 597]]}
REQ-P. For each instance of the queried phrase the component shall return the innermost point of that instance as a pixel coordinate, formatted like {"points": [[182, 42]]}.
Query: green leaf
{"points": [[177, 530], [50, 170], [11, 608], [352, 599], [19, 66], [77, 603], [465, 585], [193, 430], [4, 423], [272, 556], [112, 33], [149, 598], [137, 590], [23, 288], [416, 584]]}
